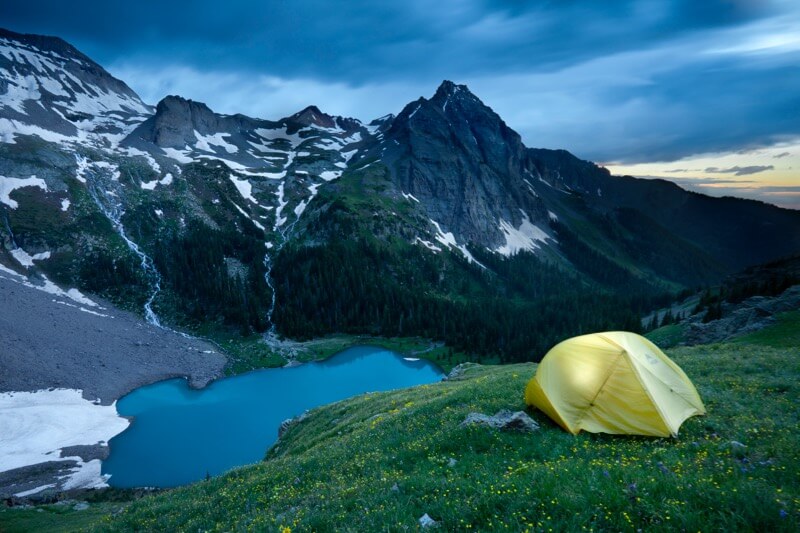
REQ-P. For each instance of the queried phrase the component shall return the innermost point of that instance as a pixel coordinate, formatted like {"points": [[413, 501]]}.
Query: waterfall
{"points": [[283, 234], [107, 191]]}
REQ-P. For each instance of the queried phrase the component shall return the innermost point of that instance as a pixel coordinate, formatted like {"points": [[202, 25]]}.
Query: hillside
{"points": [[383, 460]]}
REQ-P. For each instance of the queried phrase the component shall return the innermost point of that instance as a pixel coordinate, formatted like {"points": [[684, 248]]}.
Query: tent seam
{"points": [[600, 389], [650, 395]]}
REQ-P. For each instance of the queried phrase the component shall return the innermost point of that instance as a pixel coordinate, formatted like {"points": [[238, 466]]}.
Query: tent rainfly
{"points": [[613, 382]]}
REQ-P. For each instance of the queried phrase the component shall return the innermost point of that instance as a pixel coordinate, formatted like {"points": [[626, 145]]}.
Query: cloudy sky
{"points": [[703, 92]]}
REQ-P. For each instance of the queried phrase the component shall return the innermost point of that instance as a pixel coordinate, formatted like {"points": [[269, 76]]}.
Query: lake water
{"points": [[180, 435]]}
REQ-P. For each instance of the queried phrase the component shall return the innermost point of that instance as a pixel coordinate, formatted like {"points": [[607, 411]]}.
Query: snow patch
{"points": [[449, 241], [134, 152], [330, 175], [279, 220], [349, 154], [523, 238], [48, 287], [37, 425], [178, 155], [244, 187], [9, 185], [205, 142], [427, 244], [25, 259], [409, 196], [65, 204], [81, 308], [151, 185]]}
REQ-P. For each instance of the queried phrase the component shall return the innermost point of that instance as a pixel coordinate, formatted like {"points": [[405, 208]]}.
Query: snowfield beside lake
{"points": [[73, 364], [36, 426]]}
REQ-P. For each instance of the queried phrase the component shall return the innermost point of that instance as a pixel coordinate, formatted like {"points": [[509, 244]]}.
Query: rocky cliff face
{"points": [[467, 169]]}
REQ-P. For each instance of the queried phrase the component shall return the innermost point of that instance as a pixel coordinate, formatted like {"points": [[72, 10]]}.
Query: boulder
{"points": [[503, 420]]}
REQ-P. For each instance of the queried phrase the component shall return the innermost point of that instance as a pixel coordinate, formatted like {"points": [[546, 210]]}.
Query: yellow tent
{"points": [[613, 382]]}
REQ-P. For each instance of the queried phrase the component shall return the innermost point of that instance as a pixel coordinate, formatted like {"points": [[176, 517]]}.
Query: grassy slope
{"points": [[336, 470]]}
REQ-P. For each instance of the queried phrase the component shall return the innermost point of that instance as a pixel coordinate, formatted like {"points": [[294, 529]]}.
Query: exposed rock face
{"points": [[503, 420], [750, 315], [177, 119], [466, 167]]}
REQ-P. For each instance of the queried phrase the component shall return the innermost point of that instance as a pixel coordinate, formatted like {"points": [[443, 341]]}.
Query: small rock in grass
{"points": [[289, 423], [426, 521], [80, 506], [459, 370], [452, 462], [503, 420], [395, 488]]}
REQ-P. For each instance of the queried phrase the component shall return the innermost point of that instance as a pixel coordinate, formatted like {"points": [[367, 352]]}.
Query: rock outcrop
{"points": [[746, 317], [503, 420]]}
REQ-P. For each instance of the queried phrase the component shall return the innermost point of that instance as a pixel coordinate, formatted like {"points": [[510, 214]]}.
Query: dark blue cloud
{"points": [[363, 41], [625, 80]]}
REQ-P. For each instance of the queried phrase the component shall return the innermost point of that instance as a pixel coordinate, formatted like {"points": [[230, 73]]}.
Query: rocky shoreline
{"points": [[48, 342]]}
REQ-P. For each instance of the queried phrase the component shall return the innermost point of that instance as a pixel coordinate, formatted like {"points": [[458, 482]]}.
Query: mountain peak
{"points": [[173, 103], [46, 43], [312, 115], [175, 122], [449, 92], [448, 88]]}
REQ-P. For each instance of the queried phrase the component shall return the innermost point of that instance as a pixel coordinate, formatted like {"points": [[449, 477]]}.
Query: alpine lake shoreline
{"points": [[243, 355]]}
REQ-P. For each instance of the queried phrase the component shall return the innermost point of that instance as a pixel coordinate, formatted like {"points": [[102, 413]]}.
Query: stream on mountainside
{"points": [[180, 435], [106, 191]]}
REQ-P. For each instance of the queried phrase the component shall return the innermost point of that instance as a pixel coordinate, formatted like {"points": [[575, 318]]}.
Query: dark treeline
{"points": [[770, 279], [516, 309], [116, 276], [194, 267]]}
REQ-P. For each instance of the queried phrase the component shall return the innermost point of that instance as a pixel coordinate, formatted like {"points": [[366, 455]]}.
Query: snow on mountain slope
{"points": [[49, 89]]}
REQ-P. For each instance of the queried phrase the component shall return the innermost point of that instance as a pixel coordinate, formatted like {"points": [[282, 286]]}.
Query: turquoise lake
{"points": [[180, 435]]}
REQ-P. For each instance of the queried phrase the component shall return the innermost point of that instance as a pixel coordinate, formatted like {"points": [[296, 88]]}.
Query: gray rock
{"points": [[87, 452], [459, 370], [452, 462], [80, 506], [426, 521], [289, 423], [503, 420]]}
